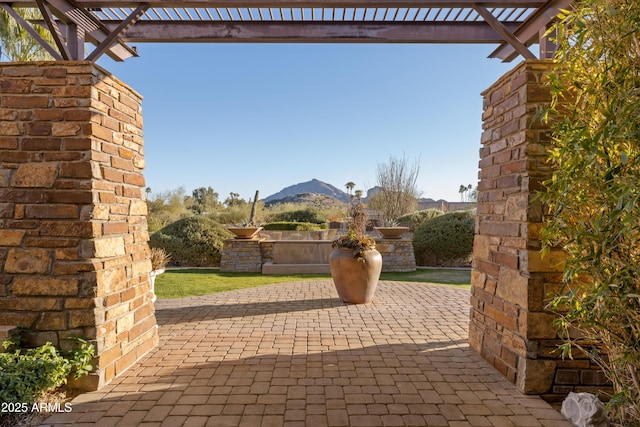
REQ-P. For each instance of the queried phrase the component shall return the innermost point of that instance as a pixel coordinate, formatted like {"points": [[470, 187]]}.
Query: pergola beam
{"points": [[310, 32], [529, 31], [115, 33], [55, 31], [504, 32], [94, 29], [109, 24], [299, 3]]}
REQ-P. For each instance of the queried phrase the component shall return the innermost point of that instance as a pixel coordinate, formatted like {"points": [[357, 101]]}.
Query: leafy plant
{"points": [[445, 240], [415, 219], [15, 42], [194, 241], [356, 237], [593, 197], [26, 374]]}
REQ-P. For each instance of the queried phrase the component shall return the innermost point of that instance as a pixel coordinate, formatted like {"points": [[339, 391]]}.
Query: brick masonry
{"points": [[509, 325], [74, 257]]}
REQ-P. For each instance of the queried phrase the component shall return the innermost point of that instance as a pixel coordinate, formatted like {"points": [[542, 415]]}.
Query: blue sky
{"points": [[246, 117]]}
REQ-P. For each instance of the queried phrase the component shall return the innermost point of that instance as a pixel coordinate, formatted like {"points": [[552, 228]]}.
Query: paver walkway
{"points": [[295, 355]]}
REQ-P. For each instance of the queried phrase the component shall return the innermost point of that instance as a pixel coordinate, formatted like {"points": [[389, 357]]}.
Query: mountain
{"points": [[314, 186], [316, 200]]}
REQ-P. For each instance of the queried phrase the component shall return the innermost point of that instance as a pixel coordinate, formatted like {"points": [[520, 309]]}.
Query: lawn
{"points": [[180, 283]]}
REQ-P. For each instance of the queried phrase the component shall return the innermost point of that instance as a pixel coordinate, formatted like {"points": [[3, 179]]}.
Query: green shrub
{"points": [[195, 241], [446, 240], [415, 219], [298, 215], [294, 226], [26, 374], [593, 197]]}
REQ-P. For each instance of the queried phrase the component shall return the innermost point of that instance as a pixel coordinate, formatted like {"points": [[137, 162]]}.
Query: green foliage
{"points": [[415, 219], [294, 226], [194, 241], [26, 374], [594, 194], [234, 200], [203, 200], [298, 215], [16, 44], [445, 240], [166, 207], [233, 214]]}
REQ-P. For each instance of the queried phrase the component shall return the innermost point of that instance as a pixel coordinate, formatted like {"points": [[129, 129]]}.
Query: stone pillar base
{"points": [[239, 255]]}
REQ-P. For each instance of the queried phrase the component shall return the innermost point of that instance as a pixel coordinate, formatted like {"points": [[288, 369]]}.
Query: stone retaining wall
{"points": [[241, 255], [74, 258]]}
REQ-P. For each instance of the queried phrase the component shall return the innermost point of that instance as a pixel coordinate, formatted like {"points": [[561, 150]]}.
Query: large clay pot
{"points": [[355, 281]]}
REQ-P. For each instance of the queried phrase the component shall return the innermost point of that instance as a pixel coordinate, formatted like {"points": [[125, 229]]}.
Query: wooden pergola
{"points": [[111, 25]]}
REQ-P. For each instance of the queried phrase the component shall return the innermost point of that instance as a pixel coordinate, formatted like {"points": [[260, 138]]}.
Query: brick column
{"points": [[74, 257], [510, 281]]}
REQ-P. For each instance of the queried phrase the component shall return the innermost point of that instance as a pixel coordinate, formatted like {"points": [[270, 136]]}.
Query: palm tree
{"points": [[15, 42], [461, 190], [350, 185], [474, 195]]}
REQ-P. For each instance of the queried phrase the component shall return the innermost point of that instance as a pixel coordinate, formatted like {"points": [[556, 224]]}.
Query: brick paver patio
{"points": [[295, 355]]}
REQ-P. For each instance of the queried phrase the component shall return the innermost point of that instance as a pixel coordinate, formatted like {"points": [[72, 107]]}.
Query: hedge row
{"points": [[294, 226], [299, 215]]}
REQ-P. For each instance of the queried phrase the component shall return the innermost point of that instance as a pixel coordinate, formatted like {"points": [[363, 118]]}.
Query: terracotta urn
{"points": [[355, 281], [244, 232], [392, 232]]}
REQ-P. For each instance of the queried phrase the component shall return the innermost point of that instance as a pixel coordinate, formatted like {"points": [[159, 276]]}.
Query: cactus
{"points": [[251, 222]]}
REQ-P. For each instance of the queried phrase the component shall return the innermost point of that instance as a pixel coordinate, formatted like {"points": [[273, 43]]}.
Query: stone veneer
{"points": [[74, 257], [510, 280], [241, 255], [397, 255]]}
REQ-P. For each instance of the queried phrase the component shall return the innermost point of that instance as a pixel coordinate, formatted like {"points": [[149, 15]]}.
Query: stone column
{"points": [[510, 280], [397, 255], [241, 255], [74, 258]]}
